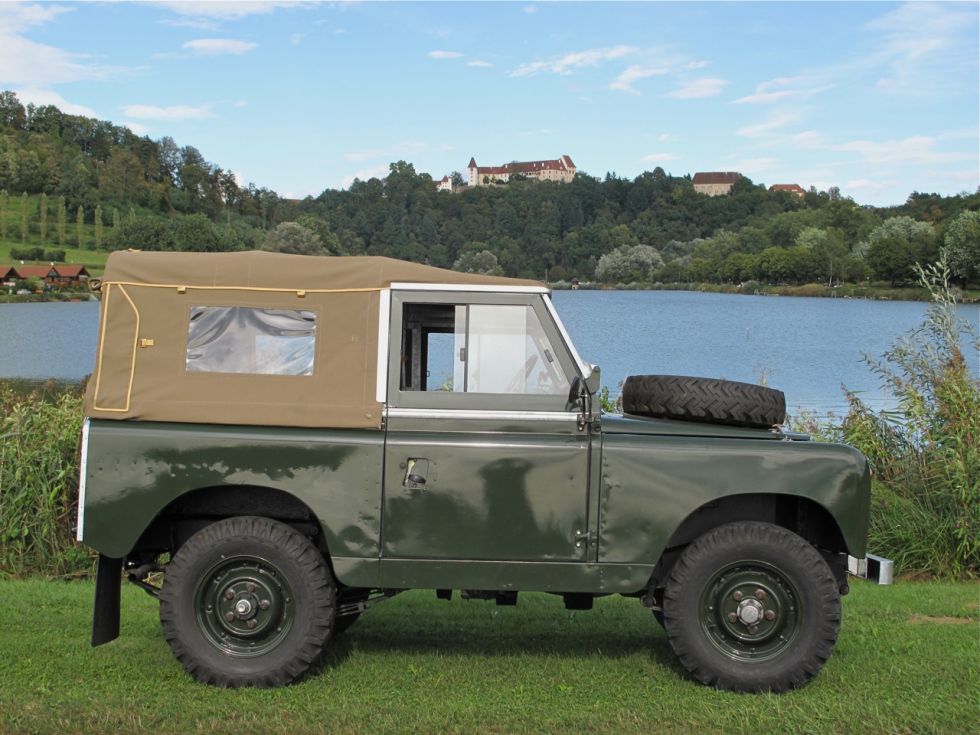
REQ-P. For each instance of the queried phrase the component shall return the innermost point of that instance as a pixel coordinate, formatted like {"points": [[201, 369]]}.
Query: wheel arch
{"points": [[802, 515]]}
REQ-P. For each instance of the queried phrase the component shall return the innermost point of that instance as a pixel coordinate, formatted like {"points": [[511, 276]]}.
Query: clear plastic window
{"points": [[479, 348], [240, 339]]}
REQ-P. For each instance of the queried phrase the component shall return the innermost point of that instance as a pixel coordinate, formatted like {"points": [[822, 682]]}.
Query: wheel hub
{"points": [[749, 611], [244, 606]]}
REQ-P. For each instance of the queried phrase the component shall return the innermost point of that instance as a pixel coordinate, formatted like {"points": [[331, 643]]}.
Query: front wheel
{"points": [[752, 607], [248, 601]]}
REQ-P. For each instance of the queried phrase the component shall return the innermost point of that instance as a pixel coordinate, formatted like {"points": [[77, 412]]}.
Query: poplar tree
{"points": [[43, 218], [79, 227], [98, 226], [132, 215], [62, 221], [23, 217], [115, 217], [4, 197]]}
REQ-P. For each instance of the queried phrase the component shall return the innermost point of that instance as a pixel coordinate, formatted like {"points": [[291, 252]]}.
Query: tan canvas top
{"points": [[250, 338]]}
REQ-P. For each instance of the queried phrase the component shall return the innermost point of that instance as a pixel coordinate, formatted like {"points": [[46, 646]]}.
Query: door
{"points": [[485, 458]]}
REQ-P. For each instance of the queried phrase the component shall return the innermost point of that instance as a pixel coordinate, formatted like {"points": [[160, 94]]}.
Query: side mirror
{"points": [[592, 380]]}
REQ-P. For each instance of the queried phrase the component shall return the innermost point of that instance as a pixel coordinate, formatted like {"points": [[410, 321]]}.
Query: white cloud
{"points": [[18, 17], [916, 150], [808, 139], [575, 60], [218, 46], [136, 127], [479, 63], [659, 158], [36, 65], [48, 97], [297, 38], [173, 112], [379, 171], [666, 137], [699, 88], [624, 82], [765, 128], [240, 103], [444, 54], [530, 9], [226, 10], [782, 87]]}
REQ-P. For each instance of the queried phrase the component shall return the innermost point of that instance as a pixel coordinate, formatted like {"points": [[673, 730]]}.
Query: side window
{"points": [[478, 348], [239, 339]]}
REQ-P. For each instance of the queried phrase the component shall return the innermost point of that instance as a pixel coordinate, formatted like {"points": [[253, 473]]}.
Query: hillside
{"points": [[130, 191]]}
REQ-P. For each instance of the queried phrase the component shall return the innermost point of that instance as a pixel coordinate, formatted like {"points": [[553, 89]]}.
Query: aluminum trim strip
{"points": [[435, 413], [384, 327], [463, 287], [564, 335], [82, 472]]}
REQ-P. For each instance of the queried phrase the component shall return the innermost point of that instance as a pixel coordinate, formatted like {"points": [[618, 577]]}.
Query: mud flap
{"points": [[108, 583]]}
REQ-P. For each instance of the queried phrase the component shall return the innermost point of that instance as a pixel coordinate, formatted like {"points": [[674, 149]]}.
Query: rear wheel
{"points": [[752, 607], [248, 601]]}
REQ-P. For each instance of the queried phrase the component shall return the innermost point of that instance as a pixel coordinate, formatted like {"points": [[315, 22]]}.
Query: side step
{"points": [[876, 568]]}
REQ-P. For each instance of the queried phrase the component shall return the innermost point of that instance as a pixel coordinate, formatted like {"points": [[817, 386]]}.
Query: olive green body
{"points": [[505, 503]]}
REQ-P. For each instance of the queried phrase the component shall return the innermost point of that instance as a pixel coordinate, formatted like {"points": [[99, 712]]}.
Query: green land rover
{"points": [[288, 440]]}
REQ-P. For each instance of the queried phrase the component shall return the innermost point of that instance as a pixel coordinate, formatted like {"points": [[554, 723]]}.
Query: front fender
{"points": [[651, 484]]}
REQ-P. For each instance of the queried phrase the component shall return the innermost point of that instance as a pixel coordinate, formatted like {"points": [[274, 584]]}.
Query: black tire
{"points": [[279, 635], [750, 570], [704, 399]]}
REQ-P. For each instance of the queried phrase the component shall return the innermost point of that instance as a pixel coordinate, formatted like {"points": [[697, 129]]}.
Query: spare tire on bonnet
{"points": [[704, 399]]}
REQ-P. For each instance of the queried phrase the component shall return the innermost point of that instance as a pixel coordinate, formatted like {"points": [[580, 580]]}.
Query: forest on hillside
{"points": [[71, 181]]}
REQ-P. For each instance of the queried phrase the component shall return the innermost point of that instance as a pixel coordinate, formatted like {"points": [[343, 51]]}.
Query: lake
{"points": [[807, 347]]}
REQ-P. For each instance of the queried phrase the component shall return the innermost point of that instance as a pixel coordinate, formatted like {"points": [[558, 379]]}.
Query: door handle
{"points": [[415, 473]]}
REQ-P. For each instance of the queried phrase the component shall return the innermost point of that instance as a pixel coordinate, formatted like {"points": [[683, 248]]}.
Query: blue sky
{"points": [[877, 98]]}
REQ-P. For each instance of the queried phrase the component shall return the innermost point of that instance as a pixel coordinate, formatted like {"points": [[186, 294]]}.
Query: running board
{"points": [[875, 568]]}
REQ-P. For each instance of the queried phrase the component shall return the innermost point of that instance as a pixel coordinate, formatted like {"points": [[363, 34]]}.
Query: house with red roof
{"points": [[40, 272], [715, 183], [791, 188], [556, 169]]}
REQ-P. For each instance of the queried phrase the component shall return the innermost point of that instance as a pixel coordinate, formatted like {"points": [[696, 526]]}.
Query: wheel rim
{"points": [[750, 611], [244, 606]]}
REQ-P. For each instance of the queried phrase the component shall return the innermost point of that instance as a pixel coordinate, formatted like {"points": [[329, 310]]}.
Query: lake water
{"points": [[808, 348]]}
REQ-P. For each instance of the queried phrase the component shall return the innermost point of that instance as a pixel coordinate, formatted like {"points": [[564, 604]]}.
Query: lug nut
{"points": [[736, 595], [770, 614], [229, 616], [252, 623], [229, 593], [263, 604], [250, 587], [732, 617], [760, 594], [754, 629]]}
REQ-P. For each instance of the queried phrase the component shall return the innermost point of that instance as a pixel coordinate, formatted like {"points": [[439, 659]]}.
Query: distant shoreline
{"points": [[812, 290]]}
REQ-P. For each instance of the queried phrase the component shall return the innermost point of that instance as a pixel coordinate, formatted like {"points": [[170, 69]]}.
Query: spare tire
{"points": [[704, 399]]}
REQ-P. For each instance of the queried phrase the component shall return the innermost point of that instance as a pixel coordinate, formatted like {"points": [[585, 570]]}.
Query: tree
{"points": [[12, 112], [115, 217], [23, 217], [482, 261], [4, 200], [628, 264], [896, 245], [62, 221], [98, 227], [292, 237], [963, 244], [42, 221], [79, 227], [827, 248], [144, 234]]}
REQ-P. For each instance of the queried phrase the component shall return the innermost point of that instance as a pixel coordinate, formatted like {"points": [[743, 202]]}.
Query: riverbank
{"points": [[871, 292]]}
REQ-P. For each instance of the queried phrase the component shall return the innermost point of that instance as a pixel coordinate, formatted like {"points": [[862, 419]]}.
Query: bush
{"points": [[54, 256], [39, 443], [926, 452], [27, 253]]}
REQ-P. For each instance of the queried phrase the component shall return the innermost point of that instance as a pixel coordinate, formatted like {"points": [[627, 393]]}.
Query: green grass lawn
{"points": [[94, 260], [907, 662]]}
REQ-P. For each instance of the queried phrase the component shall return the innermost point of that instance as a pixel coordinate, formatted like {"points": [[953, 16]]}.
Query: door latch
{"points": [[415, 473], [581, 538]]}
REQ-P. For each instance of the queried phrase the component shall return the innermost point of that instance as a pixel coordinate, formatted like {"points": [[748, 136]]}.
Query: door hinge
{"points": [[582, 538], [582, 422]]}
